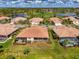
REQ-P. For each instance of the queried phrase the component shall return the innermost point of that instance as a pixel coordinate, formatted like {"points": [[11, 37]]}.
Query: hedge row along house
{"points": [[67, 33], [33, 34], [6, 30]]}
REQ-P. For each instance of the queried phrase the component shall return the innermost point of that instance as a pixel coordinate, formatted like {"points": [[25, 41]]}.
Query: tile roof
{"points": [[34, 32], [72, 19], [55, 20], [7, 25], [4, 17], [63, 31], [37, 20], [6, 29]]}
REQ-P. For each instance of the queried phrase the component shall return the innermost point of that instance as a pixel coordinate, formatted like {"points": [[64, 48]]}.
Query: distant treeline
{"points": [[29, 11]]}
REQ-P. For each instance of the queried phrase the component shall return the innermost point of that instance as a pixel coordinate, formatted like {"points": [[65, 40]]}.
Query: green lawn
{"points": [[54, 51], [7, 44]]}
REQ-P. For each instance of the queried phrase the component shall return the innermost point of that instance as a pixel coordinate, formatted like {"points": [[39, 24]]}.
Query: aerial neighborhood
{"points": [[25, 36], [39, 33], [35, 32]]}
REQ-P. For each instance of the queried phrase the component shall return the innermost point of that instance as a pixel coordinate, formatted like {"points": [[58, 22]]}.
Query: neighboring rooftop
{"points": [[8, 25], [63, 31], [34, 32], [37, 20], [55, 20], [18, 19], [4, 17], [72, 19], [6, 29]]}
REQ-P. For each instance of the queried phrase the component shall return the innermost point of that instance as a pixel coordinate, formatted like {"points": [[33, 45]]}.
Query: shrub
{"points": [[1, 48], [1, 51], [26, 51], [10, 57]]}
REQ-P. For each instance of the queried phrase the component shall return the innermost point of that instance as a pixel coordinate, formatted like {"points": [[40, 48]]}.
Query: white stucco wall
{"points": [[57, 24], [30, 39], [38, 40], [41, 40], [34, 23], [76, 23]]}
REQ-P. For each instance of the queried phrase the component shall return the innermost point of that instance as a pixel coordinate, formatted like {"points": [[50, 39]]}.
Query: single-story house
{"points": [[73, 19], [66, 33], [4, 19], [57, 21], [35, 21], [17, 19], [33, 34], [6, 30]]}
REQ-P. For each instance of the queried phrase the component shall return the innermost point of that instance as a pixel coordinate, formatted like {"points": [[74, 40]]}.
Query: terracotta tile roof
{"points": [[72, 19], [63, 31], [74, 31], [6, 29], [55, 20], [34, 32], [37, 20], [4, 17], [7, 25]]}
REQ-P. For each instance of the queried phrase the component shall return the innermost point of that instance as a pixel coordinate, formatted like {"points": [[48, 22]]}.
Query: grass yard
{"points": [[40, 50], [7, 44]]}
